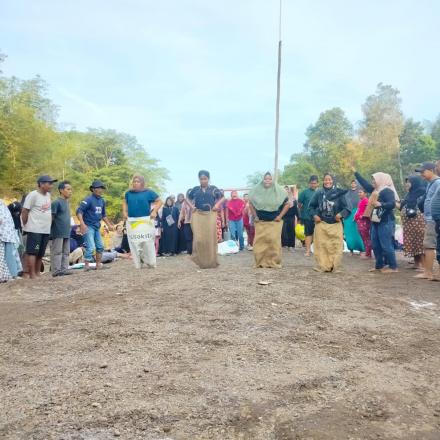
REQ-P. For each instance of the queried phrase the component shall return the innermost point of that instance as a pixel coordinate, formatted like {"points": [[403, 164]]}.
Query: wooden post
{"points": [[277, 114]]}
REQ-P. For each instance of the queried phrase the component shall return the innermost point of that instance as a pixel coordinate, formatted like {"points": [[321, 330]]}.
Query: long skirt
{"points": [[181, 241], [169, 239], [288, 233], [204, 228], [5, 273], [413, 234], [352, 236], [267, 244], [328, 246]]}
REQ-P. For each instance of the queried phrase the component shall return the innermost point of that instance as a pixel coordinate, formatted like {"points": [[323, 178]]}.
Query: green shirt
{"points": [[304, 199]]}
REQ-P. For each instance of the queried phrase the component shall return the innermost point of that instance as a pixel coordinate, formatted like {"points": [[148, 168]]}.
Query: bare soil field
{"points": [[182, 354]]}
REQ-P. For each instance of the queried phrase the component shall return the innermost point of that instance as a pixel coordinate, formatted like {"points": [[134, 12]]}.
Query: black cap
{"points": [[46, 179], [425, 166], [97, 184]]}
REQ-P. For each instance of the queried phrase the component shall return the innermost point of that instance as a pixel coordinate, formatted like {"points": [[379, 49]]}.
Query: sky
{"points": [[195, 80]]}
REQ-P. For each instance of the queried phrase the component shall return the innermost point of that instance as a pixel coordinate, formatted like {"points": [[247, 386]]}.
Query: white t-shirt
{"points": [[40, 213]]}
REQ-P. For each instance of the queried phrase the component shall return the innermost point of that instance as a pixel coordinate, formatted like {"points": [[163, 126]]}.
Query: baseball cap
{"points": [[97, 184], [46, 178], [425, 166]]}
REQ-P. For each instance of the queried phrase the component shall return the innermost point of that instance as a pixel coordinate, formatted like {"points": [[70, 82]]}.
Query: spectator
{"points": [[305, 213], [60, 231], [427, 171], [235, 207], [91, 212], [36, 217]]}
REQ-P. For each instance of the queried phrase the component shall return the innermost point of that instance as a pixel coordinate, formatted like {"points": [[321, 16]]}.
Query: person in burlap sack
{"points": [[329, 207], [206, 200], [269, 204]]}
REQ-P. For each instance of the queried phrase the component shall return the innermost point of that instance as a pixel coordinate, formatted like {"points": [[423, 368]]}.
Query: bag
{"points": [[376, 215], [170, 220], [300, 232], [228, 248], [411, 213]]}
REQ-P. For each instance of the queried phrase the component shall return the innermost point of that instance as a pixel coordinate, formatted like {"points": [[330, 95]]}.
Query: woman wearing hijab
{"points": [[268, 203], [351, 233], [329, 208], [140, 207], [380, 210], [288, 232], [185, 223], [170, 233], [207, 200], [10, 264], [413, 221], [181, 240]]}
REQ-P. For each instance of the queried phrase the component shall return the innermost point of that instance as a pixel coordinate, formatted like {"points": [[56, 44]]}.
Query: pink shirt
{"points": [[361, 208], [235, 209]]}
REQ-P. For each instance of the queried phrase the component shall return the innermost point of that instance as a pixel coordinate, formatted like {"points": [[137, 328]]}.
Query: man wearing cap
{"points": [[36, 217], [91, 212], [427, 170]]}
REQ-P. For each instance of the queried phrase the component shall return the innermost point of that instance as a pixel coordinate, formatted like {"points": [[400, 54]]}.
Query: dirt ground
{"points": [[177, 353]]}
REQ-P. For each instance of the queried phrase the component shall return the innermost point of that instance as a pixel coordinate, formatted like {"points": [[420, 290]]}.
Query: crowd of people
{"points": [[325, 219]]}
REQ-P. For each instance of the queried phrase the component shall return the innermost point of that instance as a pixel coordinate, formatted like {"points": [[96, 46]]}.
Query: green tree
{"points": [[435, 134]]}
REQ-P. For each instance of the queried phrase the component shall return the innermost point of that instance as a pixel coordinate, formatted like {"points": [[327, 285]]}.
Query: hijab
{"points": [[267, 199], [417, 190], [8, 233], [352, 198], [384, 180], [141, 179]]}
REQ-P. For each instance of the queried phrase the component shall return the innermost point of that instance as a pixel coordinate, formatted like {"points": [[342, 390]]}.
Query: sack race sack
{"points": [[204, 227], [267, 244], [300, 232], [141, 234], [228, 247]]}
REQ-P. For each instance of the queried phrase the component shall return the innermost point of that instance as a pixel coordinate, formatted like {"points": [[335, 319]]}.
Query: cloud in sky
{"points": [[195, 80]]}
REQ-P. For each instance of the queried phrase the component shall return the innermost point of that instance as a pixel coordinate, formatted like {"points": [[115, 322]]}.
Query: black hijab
{"points": [[417, 190]]}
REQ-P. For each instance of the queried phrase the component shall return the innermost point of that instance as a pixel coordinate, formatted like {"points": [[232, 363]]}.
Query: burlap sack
{"points": [[204, 227], [267, 244], [371, 201], [328, 246]]}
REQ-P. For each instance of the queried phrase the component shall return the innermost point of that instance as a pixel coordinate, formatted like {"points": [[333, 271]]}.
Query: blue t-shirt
{"points": [[139, 202], [92, 209]]}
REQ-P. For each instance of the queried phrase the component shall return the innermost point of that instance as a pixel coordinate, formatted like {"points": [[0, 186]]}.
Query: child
{"points": [[363, 223]]}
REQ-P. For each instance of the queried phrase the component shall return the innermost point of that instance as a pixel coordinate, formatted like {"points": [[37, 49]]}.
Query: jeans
{"points": [[93, 242], [236, 230], [59, 255], [382, 241]]}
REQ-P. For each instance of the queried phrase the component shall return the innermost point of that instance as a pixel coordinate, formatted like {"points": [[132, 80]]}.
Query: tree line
{"points": [[384, 140], [32, 143]]}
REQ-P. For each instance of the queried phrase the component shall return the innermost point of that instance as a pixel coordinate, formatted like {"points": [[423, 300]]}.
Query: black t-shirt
{"points": [[61, 219], [205, 199]]}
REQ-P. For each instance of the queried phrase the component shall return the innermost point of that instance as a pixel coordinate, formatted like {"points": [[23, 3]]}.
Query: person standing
{"points": [[351, 232], [91, 212], [185, 223], [268, 203], [363, 223], [170, 232], [305, 213], [140, 210], [380, 210], [60, 231], [235, 207], [435, 211], [427, 171], [413, 221], [329, 208], [288, 232], [36, 217], [207, 200], [248, 223]]}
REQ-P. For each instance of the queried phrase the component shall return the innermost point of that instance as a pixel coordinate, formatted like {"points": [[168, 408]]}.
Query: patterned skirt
{"points": [[413, 234]]}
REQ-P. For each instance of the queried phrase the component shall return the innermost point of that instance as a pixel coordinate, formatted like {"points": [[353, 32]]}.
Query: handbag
{"points": [[376, 215]]}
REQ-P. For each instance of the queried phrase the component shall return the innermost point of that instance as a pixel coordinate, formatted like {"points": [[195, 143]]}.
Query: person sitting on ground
{"points": [[329, 208], [91, 212], [427, 171], [305, 213], [413, 221], [36, 217], [269, 204], [363, 223], [380, 210], [60, 231], [77, 246]]}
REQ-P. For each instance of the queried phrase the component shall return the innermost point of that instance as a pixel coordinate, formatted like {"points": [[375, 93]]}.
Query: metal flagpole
{"points": [[277, 114]]}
